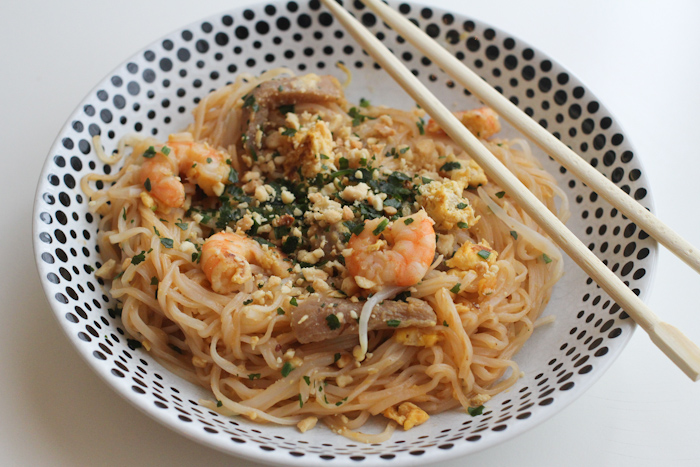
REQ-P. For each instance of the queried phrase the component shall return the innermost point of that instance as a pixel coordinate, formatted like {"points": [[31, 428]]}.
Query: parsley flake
{"points": [[248, 302], [462, 225], [336, 357], [462, 206], [286, 369], [449, 166], [500, 194], [182, 225], [147, 184], [333, 322], [474, 411], [293, 301], [364, 103], [286, 109], [280, 311], [307, 380], [514, 234], [167, 242], [408, 221], [253, 376], [154, 280], [546, 258], [445, 323], [289, 131], [394, 323], [140, 258], [219, 403]]}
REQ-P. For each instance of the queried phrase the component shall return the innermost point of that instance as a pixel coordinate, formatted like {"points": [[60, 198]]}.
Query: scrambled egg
{"points": [[309, 142], [470, 172], [481, 258], [408, 415], [416, 337], [472, 256], [443, 202]]}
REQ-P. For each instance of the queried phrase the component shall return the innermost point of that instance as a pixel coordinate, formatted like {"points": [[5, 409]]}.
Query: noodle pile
{"points": [[242, 345]]}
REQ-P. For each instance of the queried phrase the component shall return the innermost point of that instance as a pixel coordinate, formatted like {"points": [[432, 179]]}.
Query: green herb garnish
{"points": [[287, 368], [484, 254], [474, 411], [150, 152], [456, 288], [394, 323], [333, 322]]}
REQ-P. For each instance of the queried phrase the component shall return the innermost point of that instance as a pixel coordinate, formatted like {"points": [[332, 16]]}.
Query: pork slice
{"points": [[311, 322], [272, 94]]}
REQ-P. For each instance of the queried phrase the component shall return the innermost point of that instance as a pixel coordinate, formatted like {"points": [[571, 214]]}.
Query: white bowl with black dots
{"points": [[154, 92]]}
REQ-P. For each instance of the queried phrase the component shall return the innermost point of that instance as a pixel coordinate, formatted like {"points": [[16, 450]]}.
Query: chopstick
{"points": [[681, 350], [541, 137]]}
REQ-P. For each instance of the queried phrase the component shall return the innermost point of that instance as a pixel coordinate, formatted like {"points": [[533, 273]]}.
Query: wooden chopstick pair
{"points": [[681, 350]]}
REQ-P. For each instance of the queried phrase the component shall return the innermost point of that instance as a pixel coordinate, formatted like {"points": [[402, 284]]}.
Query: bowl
{"points": [[153, 93]]}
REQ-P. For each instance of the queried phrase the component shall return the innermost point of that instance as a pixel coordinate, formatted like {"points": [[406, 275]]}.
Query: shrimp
{"points": [[401, 259], [226, 259], [483, 122], [201, 164]]}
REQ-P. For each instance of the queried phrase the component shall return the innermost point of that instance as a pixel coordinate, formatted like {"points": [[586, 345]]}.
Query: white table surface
{"points": [[642, 59]]}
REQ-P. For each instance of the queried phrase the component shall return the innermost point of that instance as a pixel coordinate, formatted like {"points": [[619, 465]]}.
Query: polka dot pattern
{"points": [[154, 92]]}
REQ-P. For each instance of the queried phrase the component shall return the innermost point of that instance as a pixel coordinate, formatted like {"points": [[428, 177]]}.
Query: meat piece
{"points": [[311, 88], [312, 322]]}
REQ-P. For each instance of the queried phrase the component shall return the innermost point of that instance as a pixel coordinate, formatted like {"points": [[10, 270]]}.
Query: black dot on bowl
{"points": [[282, 24], [304, 20], [242, 32], [545, 84], [528, 73], [492, 52], [473, 44]]}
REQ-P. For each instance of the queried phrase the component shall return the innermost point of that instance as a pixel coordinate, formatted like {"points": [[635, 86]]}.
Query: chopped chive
{"points": [[147, 184], [248, 302], [484, 254], [462, 206], [474, 411], [420, 124], [364, 103], [403, 150], [154, 280], [514, 234], [444, 323], [408, 221], [165, 150], [500, 194], [456, 288], [150, 152], [380, 228], [546, 258], [289, 132], [156, 231], [307, 380], [124, 213], [462, 225], [301, 401], [394, 323], [253, 376], [343, 163]]}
